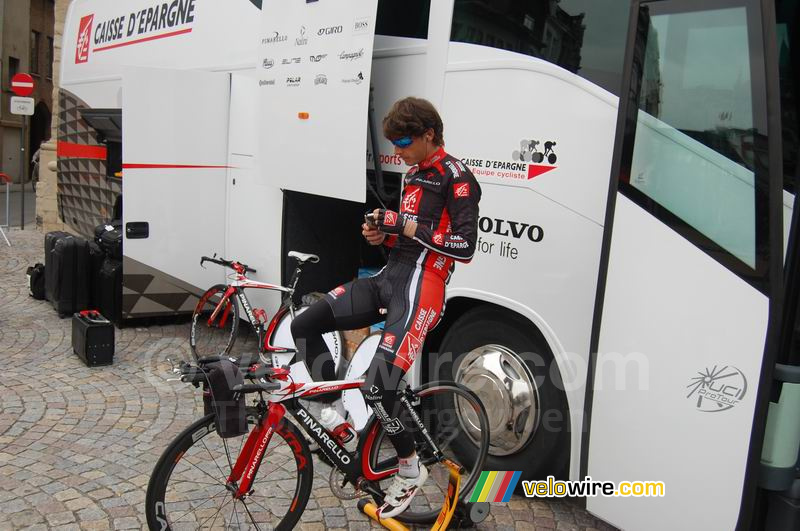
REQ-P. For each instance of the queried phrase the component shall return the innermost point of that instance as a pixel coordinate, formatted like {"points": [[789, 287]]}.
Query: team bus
{"points": [[631, 309]]}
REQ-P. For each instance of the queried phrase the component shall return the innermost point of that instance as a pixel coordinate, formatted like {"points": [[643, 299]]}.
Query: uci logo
{"points": [[717, 389]]}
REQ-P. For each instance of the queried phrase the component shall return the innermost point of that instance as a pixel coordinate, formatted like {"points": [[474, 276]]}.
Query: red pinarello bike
{"points": [[263, 479]]}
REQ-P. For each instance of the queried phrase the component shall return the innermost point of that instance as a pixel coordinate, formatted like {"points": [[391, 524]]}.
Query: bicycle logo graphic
{"points": [[528, 152], [718, 389]]}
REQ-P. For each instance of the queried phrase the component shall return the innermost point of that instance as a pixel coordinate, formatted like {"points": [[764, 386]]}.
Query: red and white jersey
{"points": [[442, 196]]}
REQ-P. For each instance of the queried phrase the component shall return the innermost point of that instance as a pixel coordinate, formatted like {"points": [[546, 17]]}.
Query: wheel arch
{"points": [[462, 300]]}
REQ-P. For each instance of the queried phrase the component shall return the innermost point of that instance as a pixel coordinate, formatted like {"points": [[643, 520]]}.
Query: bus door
{"points": [[255, 205], [175, 158], [689, 298]]}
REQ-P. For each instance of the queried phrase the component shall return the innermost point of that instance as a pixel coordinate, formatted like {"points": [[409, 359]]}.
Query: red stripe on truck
{"points": [[145, 39], [132, 166], [80, 151]]}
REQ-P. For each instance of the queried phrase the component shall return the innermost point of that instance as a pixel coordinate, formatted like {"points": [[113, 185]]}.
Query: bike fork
{"points": [[249, 460], [224, 302]]}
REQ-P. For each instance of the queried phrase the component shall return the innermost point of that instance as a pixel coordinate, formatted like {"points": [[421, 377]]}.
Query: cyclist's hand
{"points": [[389, 221], [372, 234]]}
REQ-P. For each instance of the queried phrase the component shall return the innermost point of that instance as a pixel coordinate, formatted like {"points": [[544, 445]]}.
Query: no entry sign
{"points": [[22, 85]]}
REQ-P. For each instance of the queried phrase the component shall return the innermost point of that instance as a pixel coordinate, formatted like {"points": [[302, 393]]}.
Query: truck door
{"points": [[255, 206], [175, 161], [691, 272], [314, 64]]}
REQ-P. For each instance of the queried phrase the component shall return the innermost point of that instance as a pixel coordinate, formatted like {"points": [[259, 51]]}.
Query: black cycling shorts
{"points": [[411, 295]]}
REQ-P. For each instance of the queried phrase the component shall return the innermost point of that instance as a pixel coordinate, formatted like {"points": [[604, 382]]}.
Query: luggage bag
{"points": [[93, 338], [70, 263], [109, 237], [50, 240]]}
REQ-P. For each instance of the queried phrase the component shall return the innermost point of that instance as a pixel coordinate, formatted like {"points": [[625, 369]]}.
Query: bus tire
{"points": [[486, 350]]}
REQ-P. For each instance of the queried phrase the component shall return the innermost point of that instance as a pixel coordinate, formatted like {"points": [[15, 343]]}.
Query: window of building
{"points": [[406, 18], [13, 69], [50, 58], [586, 37], [35, 52]]}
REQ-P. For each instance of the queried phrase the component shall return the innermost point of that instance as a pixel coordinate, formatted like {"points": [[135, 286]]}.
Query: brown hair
{"points": [[412, 117]]}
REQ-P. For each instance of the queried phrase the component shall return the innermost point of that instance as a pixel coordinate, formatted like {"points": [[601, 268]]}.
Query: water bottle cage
{"points": [[260, 315], [343, 432]]}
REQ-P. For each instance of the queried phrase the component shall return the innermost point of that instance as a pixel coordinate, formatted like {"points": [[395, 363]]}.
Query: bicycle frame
{"points": [[239, 283], [355, 467], [249, 460]]}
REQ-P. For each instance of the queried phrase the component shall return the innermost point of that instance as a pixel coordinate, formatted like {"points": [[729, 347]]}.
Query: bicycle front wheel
{"points": [[187, 488], [456, 421], [214, 337]]}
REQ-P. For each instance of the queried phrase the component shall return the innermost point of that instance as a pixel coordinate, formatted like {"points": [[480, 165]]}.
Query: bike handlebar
{"points": [[256, 387], [197, 374], [236, 266]]}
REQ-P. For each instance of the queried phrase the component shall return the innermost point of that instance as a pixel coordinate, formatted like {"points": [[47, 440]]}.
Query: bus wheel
{"points": [[512, 371]]}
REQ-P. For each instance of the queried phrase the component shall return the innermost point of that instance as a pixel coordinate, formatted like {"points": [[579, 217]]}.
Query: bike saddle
{"points": [[304, 257]]}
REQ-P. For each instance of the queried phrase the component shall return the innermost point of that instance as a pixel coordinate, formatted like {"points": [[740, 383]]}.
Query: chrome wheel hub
{"points": [[507, 389]]}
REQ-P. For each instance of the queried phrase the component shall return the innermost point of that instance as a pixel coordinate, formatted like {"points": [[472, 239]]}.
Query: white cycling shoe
{"points": [[400, 493]]}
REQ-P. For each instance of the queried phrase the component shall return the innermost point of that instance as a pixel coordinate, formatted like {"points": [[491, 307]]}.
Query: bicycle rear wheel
{"points": [[213, 337], [187, 487], [456, 420]]}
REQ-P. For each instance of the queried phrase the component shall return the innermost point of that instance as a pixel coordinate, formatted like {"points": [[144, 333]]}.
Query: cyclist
{"points": [[437, 225]]}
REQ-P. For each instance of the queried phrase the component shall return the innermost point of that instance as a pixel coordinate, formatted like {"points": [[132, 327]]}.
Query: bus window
{"points": [[786, 12], [586, 37], [403, 18], [698, 144]]}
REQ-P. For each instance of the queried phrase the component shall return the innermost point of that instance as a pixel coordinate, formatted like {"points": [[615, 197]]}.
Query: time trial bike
{"points": [[263, 479]]}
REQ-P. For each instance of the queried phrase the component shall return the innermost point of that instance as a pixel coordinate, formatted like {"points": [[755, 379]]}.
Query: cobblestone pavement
{"points": [[77, 444]]}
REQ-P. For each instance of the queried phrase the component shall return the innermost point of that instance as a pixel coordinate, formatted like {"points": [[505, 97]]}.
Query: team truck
{"points": [[630, 311]]}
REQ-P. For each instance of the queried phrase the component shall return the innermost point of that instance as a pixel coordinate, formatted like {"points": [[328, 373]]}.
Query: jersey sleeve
{"points": [[390, 240], [463, 194]]}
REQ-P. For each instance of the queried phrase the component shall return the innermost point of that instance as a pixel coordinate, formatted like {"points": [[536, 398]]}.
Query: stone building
{"points": [[26, 45], [47, 218]]}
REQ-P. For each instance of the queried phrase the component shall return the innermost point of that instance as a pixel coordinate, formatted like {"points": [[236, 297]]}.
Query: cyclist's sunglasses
{"points": [[403, 142]]}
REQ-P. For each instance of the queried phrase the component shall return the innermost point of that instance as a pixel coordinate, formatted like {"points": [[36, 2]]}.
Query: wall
{"points": [[46, 203]]}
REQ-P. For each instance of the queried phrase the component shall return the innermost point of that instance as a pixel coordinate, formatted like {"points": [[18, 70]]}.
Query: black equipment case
{"points": [[93, 338]]}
